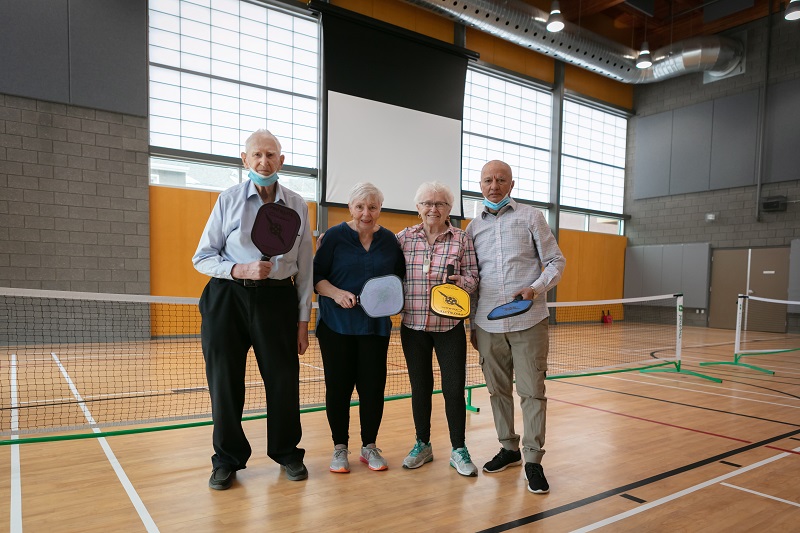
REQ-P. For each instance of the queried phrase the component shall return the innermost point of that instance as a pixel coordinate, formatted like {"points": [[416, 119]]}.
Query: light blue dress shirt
{"points": [[226, 240]]}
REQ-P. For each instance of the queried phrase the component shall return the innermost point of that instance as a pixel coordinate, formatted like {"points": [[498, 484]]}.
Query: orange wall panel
{"points": [[510, 56], [404, 15], [599, 87], [394, 222], [177, 219]]}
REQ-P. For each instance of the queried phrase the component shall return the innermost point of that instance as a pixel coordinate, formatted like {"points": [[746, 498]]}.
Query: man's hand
{"points": [[473, 338], [526, 293], [254, 270], [302, 337]]}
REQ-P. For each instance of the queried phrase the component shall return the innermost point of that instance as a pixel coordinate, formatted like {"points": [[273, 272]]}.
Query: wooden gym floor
{"points": [[625, 452]]}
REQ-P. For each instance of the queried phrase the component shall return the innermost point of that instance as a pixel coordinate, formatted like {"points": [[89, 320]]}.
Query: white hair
{"points": [[364, 191], [260, 133], [434, 186]]}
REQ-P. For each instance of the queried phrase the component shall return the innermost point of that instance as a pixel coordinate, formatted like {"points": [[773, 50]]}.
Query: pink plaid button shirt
{"points": [[454, 247]]}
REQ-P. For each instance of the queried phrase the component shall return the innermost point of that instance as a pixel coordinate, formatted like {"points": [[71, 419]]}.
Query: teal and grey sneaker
{"points": [[461, 461], [340, 463], [420, 454], [372, 457]]}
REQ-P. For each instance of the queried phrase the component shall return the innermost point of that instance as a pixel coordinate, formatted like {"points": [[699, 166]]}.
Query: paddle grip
{"points": [[451, 269], [518, 298], [265, 257]]}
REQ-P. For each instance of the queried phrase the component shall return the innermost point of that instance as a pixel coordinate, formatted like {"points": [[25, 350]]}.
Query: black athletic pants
{"points": [[451, 351], [353, 361], [234, 319]]}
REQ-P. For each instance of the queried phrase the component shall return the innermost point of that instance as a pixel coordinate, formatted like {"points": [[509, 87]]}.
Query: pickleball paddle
{"points": [[381, 296], [515, 307], [274, 230], [448, 299]]}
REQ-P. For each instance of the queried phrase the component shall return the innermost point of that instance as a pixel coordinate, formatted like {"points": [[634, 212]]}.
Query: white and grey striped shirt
{"points": [[515, 249]]}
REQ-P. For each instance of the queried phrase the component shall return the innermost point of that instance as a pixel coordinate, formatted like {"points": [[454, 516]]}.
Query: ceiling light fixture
{"points": [[792, 10], [555, 22], [644, 60]]}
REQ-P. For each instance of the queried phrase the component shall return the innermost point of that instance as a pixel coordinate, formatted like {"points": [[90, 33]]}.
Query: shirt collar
{"points": [[252, 191], [419, 229]]}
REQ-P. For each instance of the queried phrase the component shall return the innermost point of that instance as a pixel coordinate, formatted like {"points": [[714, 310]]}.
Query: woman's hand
{"points": [[345, 299]]}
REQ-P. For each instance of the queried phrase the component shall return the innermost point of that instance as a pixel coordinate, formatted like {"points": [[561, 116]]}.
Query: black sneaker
{"points": [[503, 460], [295, 471], [537, 483], [221, 478]]}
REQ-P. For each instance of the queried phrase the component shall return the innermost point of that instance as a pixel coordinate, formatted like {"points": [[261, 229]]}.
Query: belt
{"points": [[286, 282]]}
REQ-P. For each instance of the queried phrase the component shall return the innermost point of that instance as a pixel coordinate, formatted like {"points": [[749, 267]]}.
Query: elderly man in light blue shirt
{"points": [[517, 255], [250, 302]]}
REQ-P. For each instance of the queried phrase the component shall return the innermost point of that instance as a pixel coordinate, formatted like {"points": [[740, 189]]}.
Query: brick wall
{"points": [[74, 208], [681, 218]]}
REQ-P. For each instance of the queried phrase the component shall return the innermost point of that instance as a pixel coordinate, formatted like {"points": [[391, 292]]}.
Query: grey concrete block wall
{"points": [[681, 218], [74, 198]]}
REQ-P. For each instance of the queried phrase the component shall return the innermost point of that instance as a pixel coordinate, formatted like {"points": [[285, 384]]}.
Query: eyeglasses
{"points": [[437, 205]]}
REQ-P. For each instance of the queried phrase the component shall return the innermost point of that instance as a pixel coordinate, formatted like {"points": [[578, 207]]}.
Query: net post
{"points": [[679, 329], [739, 313], [469, 406]]}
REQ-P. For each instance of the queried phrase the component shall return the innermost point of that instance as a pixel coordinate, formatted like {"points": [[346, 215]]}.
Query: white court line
{"points": [[147, 520], [702, 392], [664, 377], [680, 494], [16, 480], [761, 494]]}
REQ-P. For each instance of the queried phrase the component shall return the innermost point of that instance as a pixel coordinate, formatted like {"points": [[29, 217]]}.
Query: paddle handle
{"points": [[451, 269], [518, 298], [265, 257]]}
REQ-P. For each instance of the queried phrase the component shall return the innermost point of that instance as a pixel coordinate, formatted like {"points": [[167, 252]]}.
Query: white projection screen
{"points": [[395, 148], [393, 108]]}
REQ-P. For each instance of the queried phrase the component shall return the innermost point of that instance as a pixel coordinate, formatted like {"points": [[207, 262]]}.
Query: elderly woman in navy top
{"points": [[353, 345]]}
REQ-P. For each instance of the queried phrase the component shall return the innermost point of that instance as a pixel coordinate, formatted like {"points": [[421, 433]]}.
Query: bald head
{"points": [[495, 166], [259, 135]]}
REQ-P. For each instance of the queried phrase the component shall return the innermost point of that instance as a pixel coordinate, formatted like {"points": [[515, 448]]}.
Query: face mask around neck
{"points": [[258, 179]]}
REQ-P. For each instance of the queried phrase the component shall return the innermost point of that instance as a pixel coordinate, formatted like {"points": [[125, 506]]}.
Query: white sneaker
{"points": [[372, 457], [420, 454], [340, 463], [461, 461]]}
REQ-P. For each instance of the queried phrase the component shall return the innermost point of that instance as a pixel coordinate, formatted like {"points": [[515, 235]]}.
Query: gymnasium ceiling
{"points": [[667, 20]]}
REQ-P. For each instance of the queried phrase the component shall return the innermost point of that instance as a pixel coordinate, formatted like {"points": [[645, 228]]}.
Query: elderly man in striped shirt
{"points": [[517, 255]]}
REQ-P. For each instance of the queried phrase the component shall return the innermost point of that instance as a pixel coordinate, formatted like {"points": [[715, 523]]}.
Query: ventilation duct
{"points": [[523, 24]]}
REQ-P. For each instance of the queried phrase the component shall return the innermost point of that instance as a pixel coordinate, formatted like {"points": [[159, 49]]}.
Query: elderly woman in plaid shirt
{"points": [[428, 248]]}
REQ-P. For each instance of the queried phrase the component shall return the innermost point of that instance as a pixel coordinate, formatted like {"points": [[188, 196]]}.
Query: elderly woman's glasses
{"points": [[437, 205]]}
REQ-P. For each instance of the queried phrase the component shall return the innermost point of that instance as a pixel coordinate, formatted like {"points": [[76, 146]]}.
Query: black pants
{"points": [[353, 361], [234, 319], [451, 351]]}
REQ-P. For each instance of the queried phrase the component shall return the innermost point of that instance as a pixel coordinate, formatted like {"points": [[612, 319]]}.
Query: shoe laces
{"points": [[338, 453], [464, 454], [418, 447], [373, 451]]}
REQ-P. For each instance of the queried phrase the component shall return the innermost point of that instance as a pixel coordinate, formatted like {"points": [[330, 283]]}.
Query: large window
{"points": [[593, 159], [506, 120], [220, 70]]}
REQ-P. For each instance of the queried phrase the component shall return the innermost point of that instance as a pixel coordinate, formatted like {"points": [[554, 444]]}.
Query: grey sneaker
{"points": [[339, 463], [461, 461], [420, 454], [372, 457]]}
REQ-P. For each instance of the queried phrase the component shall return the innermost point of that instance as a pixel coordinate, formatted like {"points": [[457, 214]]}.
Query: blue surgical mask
{"points": [[258, 179], [496, 206]]}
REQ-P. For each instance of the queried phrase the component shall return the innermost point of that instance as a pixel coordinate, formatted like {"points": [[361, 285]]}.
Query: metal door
{"points": [[769, 278], [728, 281]]}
